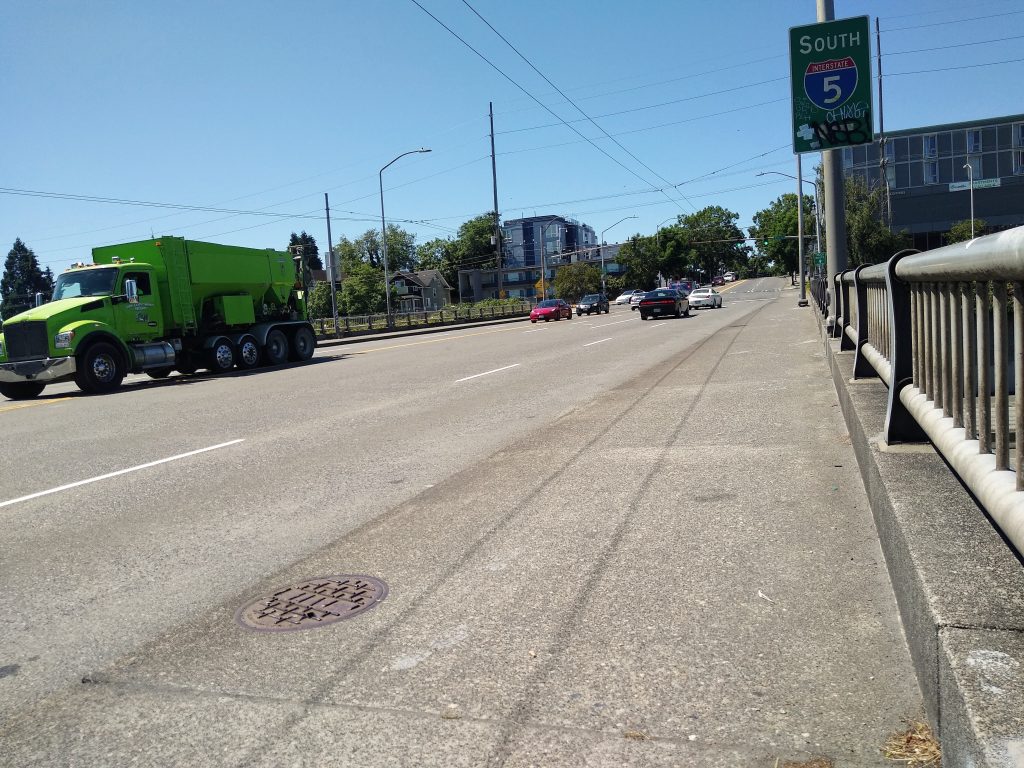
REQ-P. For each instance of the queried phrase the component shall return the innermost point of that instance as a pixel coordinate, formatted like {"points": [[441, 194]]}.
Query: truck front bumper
{"points": [[47, 369]]}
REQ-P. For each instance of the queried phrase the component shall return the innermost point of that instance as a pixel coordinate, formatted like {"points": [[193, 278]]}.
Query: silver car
{"points": [[634, 300], [705, 298]]}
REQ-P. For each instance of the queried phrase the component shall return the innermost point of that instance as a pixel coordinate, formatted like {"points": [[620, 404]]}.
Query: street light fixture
{"points": [[970, 175], [384, 229], [601, 245]]}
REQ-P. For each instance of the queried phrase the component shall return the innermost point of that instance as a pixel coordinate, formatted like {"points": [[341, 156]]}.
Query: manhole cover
{"points": [[313, 603]]}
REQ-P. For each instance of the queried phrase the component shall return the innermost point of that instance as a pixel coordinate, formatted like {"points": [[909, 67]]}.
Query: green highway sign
{"points": [[819, 259], [830, 71]]}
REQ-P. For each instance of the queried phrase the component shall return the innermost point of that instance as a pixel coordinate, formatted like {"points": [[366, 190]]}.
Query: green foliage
{"points": [[961, 230], [320, 300], [574, 281], [642, 260], [868, 239], [310, 251], [715, 243], [22, 280], [362, 293], [439, 254], [775, 228], [366, 249], [473, 248], [615, 285]]}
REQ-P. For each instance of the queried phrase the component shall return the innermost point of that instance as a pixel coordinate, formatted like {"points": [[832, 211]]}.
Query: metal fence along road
{"points": [[944, 330]]}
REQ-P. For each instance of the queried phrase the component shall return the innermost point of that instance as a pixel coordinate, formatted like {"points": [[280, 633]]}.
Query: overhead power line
{"points": [[576, 106], [954, 21], [950, 69], [955, 45], [534, 98]]}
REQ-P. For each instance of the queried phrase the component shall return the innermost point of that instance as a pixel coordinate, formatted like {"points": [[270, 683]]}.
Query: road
{"points": [[494, 477]]}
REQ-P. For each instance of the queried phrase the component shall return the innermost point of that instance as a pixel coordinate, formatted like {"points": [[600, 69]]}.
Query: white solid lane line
{"points": [[119, 472], [485, 373], [597, 342]]}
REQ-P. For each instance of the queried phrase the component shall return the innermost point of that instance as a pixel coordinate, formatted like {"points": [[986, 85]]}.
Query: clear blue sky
{"points": [[262, 106]]}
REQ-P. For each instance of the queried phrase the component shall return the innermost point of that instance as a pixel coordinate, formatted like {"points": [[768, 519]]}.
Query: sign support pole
{"points": [[800, 232]]}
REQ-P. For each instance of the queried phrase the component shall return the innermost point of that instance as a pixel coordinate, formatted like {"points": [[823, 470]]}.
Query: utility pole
{"points": [[330, 266], [800, 230], [497, 226], [835, 203], [883, 162]]}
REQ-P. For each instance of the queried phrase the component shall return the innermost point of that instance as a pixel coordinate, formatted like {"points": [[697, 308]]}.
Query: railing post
{"points": [[837, 326], [900, 425], [861, 367], [845, 342]]}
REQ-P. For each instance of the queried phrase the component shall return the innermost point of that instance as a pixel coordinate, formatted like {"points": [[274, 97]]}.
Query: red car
{"points": [[551, 309]]}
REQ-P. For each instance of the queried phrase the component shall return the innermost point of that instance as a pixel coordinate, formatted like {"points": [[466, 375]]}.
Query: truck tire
{"points": [[220, 358], [248, 353], [100, 369], [21, 390], [303, 344], [275, 351]]}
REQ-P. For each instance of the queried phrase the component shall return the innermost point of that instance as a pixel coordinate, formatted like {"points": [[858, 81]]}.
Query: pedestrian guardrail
{"points": [[944, 330], [355, 324]]}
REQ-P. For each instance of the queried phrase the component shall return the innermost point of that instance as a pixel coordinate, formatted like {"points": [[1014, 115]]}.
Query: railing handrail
{"points": [[999, 256]]}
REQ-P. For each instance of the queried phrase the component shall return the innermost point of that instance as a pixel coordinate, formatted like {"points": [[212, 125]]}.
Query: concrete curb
{"points": [[371, 335], [958, 584]]}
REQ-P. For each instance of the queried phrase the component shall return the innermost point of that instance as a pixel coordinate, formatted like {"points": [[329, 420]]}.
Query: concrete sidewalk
{"points": [[689, 576]]}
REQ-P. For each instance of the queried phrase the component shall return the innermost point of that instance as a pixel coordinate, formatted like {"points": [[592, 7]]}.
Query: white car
{"points": [[634, 300], [625, 296], [705, 297]]}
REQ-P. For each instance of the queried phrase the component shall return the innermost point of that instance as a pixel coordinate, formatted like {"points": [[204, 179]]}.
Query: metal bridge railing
{"points": [[944, 330]]}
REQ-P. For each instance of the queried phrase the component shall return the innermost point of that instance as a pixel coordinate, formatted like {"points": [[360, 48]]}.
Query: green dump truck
{"points": [[154, 307]]}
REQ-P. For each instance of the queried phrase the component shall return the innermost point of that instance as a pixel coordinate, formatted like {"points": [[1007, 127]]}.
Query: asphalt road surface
{"points": [[607, 541]]}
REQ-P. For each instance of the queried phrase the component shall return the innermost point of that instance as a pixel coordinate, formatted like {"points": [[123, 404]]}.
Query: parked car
{"points": [[718, 280], [625, 296], [594, 302], [705, 297], [664, 301], [551, 309]]}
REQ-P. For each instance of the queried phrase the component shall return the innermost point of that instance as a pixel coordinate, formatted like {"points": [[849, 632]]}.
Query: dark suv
{"points": [[594, 302]]}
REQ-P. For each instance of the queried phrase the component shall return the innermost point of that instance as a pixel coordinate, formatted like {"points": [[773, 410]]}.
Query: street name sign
{"points": [[830, 70]]}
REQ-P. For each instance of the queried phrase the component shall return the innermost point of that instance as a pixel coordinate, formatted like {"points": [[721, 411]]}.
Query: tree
{"points": [[473, 246], [961, 230], [868, 239], [775, 229], [362, 293], [367, 249], [713, 240], [439, 254], [640, 257], [320, 299], [309, 249], [574, 281], [22, 280]]}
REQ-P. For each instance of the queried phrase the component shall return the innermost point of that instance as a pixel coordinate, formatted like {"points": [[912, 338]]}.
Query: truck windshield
{"points": [[91, 282]]}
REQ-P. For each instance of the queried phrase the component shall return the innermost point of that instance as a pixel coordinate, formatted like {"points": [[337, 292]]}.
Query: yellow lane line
{"points": [[434, 341], [19, 406]]}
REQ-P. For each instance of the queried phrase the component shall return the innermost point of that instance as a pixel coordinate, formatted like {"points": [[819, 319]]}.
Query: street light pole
{"points": [[601, 246], [970, 175], [384, 229], [817, 222]]}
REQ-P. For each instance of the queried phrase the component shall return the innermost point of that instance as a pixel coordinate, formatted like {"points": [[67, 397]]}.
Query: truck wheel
{"points": [[303, 344], [159, 373], [220, 358], [100, 369], [21, 390], [248, 353], [275, 351]]}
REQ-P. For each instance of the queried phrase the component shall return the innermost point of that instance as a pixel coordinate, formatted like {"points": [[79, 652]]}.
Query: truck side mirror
{"points": [[131, 290]]}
